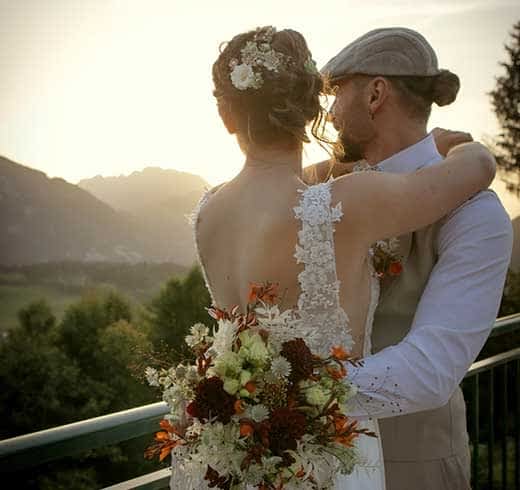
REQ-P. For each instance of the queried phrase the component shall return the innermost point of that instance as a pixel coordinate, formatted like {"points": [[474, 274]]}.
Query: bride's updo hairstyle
{"points": [[268, 88]]}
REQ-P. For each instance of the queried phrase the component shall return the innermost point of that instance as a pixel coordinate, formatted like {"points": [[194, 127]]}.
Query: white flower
{"points": [[259, 412], [180, 371], [271, 60], [250, 53], [192, 375], [280, 367], [198, 333], [393, 244], [152, 376], [243, 77], [224, 337], [194, 429]]}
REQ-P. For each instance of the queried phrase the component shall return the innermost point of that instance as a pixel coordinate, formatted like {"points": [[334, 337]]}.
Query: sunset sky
{"points": [[107, 87]]}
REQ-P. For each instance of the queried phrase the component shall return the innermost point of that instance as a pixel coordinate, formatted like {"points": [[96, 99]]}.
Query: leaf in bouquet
{"points": [[337, 373], [366, 432], [218, 314], [263, 292]]}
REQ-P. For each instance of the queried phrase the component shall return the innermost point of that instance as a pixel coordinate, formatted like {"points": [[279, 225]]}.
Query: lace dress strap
{"points": [[323, 319]]}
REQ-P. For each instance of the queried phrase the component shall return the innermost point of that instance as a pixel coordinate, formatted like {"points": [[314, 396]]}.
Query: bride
{"points": [[266, 224]]}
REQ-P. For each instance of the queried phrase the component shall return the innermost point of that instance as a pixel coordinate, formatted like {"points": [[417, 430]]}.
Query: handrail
{"points": [[505, 324], [486, 364], [54, 443], [50, 444]]}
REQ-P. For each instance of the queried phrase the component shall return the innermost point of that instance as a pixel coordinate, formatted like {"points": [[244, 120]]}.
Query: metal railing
{"points": [[486, 431], [495, 421]]}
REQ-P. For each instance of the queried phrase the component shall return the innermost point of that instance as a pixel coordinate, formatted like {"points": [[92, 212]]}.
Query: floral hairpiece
{"points": [[255, 55]]}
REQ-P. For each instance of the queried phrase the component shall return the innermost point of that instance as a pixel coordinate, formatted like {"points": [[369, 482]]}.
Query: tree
{"points": [[55, 374], [36, 318], [179, 305], [506, 103]]}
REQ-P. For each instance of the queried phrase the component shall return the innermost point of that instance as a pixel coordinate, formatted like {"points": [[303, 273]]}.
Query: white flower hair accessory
{"points": [[254, 56]]}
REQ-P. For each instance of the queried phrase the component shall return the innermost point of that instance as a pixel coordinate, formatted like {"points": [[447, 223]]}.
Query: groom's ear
{"points": [[378, 90]]}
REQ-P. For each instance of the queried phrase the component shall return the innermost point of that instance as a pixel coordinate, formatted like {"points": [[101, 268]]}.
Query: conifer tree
{"points": [[506, 102]]}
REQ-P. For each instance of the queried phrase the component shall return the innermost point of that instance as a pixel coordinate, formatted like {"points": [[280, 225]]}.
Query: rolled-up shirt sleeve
{"points": [[453, 319]]}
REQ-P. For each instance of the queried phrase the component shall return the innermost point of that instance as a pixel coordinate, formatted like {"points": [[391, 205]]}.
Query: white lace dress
{"points": [[322, 321]]}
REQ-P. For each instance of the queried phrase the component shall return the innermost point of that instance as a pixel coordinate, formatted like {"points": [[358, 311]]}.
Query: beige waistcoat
{"points": [[433, 441]]}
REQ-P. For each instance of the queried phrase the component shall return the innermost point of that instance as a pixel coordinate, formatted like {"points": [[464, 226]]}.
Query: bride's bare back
{"points": [[247, 232]]}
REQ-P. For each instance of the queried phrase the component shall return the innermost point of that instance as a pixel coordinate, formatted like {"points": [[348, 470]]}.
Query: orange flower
{"points": [[163, 443], [339, 353], [239, 406], [340, 421], [246, 429], [250, 386], [166, 425], [268, 292], [346, 431], [347, 440], [395, 268]]}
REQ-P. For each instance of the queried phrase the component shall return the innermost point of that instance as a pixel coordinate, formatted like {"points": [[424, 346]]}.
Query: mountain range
{"points": [[135, 218]]}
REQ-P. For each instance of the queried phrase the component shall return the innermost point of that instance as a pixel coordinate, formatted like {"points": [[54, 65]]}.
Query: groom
{"points": [[434, 318]]}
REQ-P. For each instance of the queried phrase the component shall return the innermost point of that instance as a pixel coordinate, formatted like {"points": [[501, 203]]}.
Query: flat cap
{"points": [[392, 51], [396, 51]]}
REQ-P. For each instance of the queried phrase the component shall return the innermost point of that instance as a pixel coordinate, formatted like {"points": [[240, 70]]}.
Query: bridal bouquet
{"points": [[254, 409]]}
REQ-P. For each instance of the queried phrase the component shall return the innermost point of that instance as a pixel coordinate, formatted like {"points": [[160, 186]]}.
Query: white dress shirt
{"points": [[457, 309]]}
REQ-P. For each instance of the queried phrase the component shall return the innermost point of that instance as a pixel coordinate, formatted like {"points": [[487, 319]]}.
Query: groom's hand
{"points": [[445, 139]]}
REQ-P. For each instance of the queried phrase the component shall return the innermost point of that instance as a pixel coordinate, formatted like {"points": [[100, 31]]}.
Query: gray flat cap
{"points": [[396, 51]]}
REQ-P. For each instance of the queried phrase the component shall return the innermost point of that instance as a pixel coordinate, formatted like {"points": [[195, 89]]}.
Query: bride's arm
{"points": [[393, 204]]}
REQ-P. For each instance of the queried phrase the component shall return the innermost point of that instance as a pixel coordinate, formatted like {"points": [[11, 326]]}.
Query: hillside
{"points": [[47, 219]]}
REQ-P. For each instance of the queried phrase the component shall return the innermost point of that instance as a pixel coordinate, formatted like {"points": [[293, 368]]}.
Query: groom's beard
{"points": [[348, 150]]}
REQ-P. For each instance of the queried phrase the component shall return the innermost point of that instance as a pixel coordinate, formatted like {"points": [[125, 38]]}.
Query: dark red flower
{"points": [[217, 481], [300, 357], [211, 400], [287, 426]]}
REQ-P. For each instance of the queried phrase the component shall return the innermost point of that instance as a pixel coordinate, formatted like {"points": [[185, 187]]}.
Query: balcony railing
{"points": [[493, 425]]}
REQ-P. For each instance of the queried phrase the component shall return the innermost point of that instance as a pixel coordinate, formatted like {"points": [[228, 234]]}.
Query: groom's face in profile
{"points": [[351, 118]]}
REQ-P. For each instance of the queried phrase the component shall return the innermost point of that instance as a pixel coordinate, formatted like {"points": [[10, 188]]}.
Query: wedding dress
{"points": [[322, 321]]}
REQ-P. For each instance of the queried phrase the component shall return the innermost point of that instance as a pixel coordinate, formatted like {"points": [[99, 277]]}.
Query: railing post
{"points": [[504, 430], [491, 441], [476, 431], [517, 425]]}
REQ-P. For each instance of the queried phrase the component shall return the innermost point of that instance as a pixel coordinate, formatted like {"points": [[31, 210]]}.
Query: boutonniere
{"points": [[386, 258]]}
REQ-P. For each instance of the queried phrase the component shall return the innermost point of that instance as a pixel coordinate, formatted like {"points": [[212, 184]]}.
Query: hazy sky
{"points": [[108, 87]]}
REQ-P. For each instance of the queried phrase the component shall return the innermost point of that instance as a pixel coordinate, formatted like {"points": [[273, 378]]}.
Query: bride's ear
{"points": [[227, 118]]}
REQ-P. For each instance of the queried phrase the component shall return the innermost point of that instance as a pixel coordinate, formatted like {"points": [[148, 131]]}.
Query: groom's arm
{"points": [[453, 319]]}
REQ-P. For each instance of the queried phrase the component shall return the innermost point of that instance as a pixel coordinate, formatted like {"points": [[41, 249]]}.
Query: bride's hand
{"points": [[445, 139], [320, 172]]}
